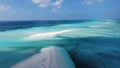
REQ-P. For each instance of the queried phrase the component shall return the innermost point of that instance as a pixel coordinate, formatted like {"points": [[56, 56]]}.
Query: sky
{"points": [[59, 9]]}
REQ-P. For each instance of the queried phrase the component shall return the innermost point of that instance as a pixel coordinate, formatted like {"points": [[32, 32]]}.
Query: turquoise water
{"points": [[91, 43]]}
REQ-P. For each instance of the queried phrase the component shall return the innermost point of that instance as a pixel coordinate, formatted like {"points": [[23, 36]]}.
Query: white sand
{"points": [[46, 35]]}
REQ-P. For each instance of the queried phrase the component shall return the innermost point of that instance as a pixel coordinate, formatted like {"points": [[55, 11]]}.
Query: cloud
{"points": [[87, 2], [4, 7], [57, 4], [41, 3], [49, 3], [91, 2]]}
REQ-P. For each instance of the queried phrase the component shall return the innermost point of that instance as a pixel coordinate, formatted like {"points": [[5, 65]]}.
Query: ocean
{"points": [[90, 43]]}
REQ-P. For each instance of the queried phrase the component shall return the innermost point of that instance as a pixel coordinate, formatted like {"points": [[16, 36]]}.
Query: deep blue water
{"points": [[13, 25], [90, 43]]}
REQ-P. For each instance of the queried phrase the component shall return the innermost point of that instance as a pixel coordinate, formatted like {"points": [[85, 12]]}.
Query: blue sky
{"points": [[59, 9]]}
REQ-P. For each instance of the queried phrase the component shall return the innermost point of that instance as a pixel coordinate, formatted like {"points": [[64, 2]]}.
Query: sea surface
{"points": [[90, 43]]}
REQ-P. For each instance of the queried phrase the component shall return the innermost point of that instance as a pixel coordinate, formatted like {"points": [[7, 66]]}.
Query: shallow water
{"points": [[91, 43]]}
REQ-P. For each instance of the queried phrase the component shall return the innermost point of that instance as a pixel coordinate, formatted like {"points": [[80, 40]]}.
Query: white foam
{"points": [[108, 22], [52, 57], [95, 26]]}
